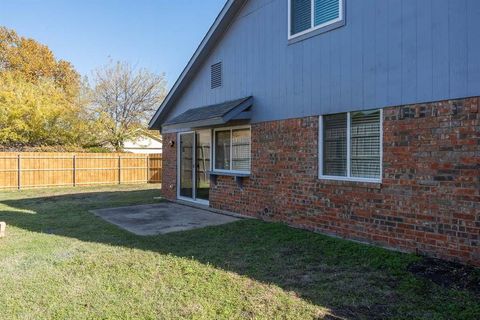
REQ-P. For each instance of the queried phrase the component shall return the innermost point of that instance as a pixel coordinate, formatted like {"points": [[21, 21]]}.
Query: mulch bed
{"points": [[448, 274]]}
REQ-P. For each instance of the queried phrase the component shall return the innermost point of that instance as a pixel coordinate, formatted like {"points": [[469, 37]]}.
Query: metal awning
{"points": [[212, 115]]}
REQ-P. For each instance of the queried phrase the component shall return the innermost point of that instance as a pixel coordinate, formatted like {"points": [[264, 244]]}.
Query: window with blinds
{"points": [[351, 146], [335, 145], [301, 15], [365, 144], [232, 150], [309, 15]]}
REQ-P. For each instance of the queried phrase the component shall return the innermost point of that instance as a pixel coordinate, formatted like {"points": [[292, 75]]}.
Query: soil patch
{"points": [[448, 274]]}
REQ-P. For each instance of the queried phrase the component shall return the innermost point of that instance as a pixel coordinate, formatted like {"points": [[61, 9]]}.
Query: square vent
{"points": [[216, 75]]}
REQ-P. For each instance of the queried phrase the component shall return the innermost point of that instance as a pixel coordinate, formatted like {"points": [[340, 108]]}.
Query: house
{"points": [[353, 118], [145, 143]]}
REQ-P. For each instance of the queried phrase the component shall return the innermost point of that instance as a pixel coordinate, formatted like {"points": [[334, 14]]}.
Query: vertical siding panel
{"points": [[409, 51], [440, 57], [355, 22], [394, 52], [368, 32], [307, 77], [277, 59], [262, 27], [270, 61], [381, 53], [345, 68], [473, 30], [297, 77], [458, 47], [335, 70], [325, 61], [424, 51], [317, 75]]}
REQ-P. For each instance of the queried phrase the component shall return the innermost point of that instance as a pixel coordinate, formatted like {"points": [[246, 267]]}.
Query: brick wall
{"points": [[169, 165], [428, 201]]}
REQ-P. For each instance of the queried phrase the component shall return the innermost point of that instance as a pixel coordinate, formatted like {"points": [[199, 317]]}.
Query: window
{"points": [[216, 75], [232, 149], [351, 146], [309, 15]]}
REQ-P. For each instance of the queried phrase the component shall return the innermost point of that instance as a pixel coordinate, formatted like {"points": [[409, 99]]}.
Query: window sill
{"points": [[315, 32], [239, 176], [359, 182], [229, 173]]}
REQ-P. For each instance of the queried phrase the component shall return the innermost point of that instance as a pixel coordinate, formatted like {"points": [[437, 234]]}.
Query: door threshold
{"points": [[198, 202]]}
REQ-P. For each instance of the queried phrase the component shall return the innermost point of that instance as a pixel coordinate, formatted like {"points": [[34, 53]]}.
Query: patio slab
{"points": [[161, 218]]}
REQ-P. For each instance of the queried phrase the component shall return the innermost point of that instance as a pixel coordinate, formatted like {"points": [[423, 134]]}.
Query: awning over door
{"points": [[212, 115]]}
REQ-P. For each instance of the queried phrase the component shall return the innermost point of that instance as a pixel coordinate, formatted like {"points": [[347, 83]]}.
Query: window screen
{"points": [[301, 15], [241, 149], [222, 150], [353, 155], [335, 145], [232, 149], [365, 144], [326, 10]]}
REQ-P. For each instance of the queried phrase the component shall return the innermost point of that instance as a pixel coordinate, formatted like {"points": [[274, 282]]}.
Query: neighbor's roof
{"points": [[229, 11], [211, 115]]}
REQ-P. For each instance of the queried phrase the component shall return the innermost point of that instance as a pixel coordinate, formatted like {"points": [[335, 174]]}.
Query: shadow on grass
{"points": [[352, 280]]}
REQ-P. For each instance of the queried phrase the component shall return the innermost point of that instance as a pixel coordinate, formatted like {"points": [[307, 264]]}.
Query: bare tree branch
{"points": [[125, 99]]}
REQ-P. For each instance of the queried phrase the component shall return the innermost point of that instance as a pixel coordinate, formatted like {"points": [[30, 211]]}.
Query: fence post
{"points": [[148, 168], [119, 169], [19, 171], [74, 170]]}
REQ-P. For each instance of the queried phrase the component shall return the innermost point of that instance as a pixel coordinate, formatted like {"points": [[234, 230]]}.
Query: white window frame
{"points": [[349, 143], [312, 20], [231, 149]]}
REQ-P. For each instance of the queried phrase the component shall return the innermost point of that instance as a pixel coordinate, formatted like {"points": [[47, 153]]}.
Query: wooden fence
{"points": [[34, 169]]}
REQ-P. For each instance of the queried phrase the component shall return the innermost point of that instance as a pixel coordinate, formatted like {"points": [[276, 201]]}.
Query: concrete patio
{"points": [[161, 218]]}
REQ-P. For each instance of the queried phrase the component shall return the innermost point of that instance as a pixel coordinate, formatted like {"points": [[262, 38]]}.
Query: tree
{"points": [[37, 114], [39, 96], [124, 99], [35, 62]]}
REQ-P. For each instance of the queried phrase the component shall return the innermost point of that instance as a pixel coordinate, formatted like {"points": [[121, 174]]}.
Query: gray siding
{"points": [[390, 52]]}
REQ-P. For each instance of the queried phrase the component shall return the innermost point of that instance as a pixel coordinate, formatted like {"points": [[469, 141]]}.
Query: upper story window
{"points": [[310, 15]]}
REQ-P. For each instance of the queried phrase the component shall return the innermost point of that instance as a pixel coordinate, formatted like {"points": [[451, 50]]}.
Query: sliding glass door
{"points": [[186, 165], [194, 163], [202, 165]]}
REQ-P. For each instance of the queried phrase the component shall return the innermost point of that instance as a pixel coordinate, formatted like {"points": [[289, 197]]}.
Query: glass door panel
{"points": [[186, 164], [202, 157]]}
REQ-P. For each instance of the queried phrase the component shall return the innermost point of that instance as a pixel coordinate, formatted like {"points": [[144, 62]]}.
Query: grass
{"points": [[61, 262]]}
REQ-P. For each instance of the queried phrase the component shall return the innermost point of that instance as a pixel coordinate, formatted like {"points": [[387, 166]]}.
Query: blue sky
{"points": [[160, 35]]}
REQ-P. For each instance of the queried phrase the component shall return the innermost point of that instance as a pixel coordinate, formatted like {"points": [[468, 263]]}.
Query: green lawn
{"points": [[61, 262]]}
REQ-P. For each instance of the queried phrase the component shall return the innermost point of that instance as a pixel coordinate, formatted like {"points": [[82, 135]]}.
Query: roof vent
{"points": [[216, 75]]}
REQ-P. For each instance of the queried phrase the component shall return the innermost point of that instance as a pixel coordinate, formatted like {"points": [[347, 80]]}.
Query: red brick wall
{"points": [[428, 201], [169, 166]]}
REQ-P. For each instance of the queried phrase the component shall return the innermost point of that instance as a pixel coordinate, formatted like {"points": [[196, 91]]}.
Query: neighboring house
{"points": [[354, 118], [145, 143]]}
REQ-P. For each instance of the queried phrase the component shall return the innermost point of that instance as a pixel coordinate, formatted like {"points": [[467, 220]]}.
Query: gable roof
{"points": [[223, 20]]}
